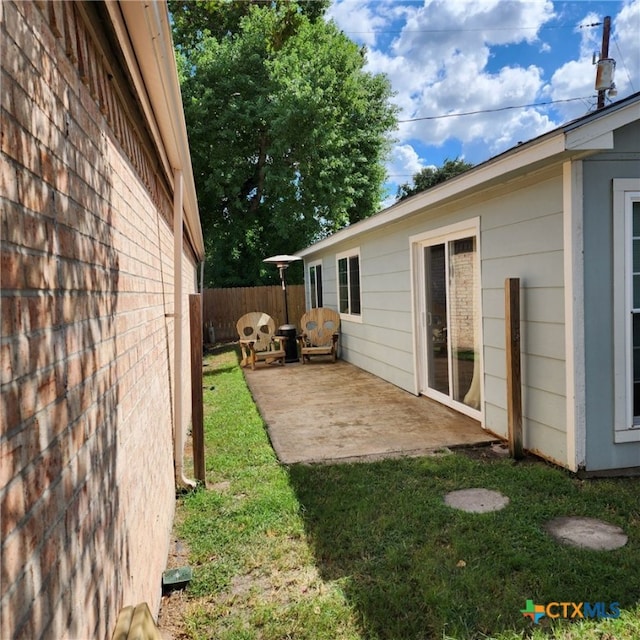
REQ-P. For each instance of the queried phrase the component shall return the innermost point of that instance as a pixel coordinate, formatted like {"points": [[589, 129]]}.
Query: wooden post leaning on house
{"points": [[197, 404], [514, 378]]}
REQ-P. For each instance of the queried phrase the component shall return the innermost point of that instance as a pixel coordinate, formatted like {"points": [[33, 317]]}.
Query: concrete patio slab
{"points": [[323, 411]]}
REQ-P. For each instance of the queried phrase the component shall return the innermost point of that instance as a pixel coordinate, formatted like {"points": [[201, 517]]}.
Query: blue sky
{"points": [[452, 56]]}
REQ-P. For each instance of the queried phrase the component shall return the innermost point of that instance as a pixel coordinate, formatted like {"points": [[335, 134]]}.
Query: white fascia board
{"points": [[144, 34], [512, 162], [597, 134], [582, 142]]}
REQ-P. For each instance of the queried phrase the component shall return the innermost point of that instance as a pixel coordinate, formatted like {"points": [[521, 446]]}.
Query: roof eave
{"points": [[576, 140], [144, 34], [509, 163]]}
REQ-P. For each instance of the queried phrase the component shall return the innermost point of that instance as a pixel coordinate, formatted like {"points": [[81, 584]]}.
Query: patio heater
{"points": [[286, 330]]}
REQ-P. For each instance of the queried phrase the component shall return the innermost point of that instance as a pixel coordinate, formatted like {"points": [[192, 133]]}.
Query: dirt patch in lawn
{"points": [[174, 603]]}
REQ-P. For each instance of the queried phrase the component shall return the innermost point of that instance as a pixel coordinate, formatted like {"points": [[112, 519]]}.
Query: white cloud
{"points": [[465, 87], [404, 163], [359, 18], [440, 28], [438, 65], [626, 47], [453, 56], [576, 77]]}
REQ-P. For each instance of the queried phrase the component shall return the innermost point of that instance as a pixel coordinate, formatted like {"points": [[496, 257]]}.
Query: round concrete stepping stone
{"points": [[476, 500], [586, 533]]}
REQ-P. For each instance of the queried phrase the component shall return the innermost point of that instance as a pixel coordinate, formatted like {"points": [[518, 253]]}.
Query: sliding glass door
{"points": [[450, 344]]}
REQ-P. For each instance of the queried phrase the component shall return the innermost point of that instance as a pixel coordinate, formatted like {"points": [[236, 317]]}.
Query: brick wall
{"points": [[86, 349], [459, 316], [463, 312]]}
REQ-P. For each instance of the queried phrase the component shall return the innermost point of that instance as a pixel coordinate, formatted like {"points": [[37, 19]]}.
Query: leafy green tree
{"points": [[195, 20], [288, 135], [430, 176]]}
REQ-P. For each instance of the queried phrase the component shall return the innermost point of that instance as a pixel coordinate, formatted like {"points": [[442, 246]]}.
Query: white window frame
{"points": [[625, 193], [346, 255], [314, 302]]}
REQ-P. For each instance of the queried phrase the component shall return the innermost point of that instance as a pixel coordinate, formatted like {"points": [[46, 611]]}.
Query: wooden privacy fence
{"points": [[222, 308]]}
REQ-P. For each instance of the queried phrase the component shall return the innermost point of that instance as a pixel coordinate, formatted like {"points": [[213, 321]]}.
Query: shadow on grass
{"points": [[212, 370], [414, 568], [212, 373]]}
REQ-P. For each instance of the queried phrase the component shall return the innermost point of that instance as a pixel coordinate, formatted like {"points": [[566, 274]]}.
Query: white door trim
{"points": [[466, 228]]}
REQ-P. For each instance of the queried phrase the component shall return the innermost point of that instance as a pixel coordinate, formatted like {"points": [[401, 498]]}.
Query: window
{"points": [[349, 283], [315, 284], [626, 264]]}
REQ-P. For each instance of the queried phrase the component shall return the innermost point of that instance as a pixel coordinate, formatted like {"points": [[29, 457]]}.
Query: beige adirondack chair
{"points": [[258, 341], [320, 331]]}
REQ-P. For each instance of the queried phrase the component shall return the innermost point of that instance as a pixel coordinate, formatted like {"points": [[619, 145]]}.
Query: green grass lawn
{"points": [[370, 551]]}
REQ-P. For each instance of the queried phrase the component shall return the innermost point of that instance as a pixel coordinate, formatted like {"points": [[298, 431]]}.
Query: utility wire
{"points": [[623, 64], [473, 113], [538, 28]]}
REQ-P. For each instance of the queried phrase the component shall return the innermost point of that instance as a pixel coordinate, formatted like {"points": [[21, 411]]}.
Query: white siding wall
{"points": [[382, 343], [521, 235]]}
